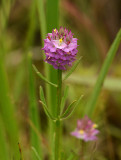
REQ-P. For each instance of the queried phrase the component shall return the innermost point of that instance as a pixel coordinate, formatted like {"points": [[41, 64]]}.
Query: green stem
{"points": [[82, 149], [59, 83], [57, 140], [52, 17], [57, 123]]}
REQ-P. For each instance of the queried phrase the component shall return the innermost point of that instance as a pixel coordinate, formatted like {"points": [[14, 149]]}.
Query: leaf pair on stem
{"points": [[67, 114], [68, 74], [70, 109]]}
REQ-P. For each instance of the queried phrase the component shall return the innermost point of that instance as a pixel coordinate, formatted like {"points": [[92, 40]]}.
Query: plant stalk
{"points": [[59, 88], [57, 134]]}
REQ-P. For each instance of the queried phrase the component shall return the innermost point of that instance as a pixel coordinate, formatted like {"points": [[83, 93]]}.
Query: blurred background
{"points": [[95, 23]]}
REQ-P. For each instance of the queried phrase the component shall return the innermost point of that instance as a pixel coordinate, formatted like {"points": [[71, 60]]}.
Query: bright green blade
{"points": [[97, 88], [33, 110]]}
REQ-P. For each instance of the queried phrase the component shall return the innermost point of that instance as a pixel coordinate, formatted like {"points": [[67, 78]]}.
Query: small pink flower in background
{"points": [[85, 130], [60, 48]]}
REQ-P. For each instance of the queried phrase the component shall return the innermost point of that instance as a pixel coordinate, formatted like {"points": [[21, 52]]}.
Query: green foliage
{"points": [[33, 109], [96, 91], [64, 97], [72, 69], [8, 112], [43, 102], [43, 78], [36, 154], [69, 111], [16, 30], [3, 146]]}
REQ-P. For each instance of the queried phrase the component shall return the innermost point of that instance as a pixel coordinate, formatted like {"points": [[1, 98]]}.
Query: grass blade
{"points": [[36, 154], [42, 17], [19, 81], [32, 26], [3, 148], [8, 112], [99, 83], [72, 69], [34, 116]]}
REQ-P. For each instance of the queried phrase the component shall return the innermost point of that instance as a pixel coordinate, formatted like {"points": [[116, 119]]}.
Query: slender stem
{"points": [[82, 149], [59, 83], [57, 140], [57, 133]]}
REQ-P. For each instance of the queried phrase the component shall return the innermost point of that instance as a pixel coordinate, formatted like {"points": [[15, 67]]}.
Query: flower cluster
{"points": [[85, 130], [60, 48]]}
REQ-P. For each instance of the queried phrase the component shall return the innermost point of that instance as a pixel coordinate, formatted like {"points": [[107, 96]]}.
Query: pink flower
{"points": [[60, 48], [85, 130]]}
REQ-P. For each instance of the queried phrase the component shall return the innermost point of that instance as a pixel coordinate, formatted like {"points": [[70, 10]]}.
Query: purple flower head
{"points": [[85, 130], [60, 48]]}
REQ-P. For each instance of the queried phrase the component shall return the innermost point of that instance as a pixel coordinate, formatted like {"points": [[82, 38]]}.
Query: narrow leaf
{"points": [[68, 109], [42, 97], [42, 77], [72, 69], [36, 154], [44, 105], [91, 105], [47, 111], [67, 114], [64, 98]]}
